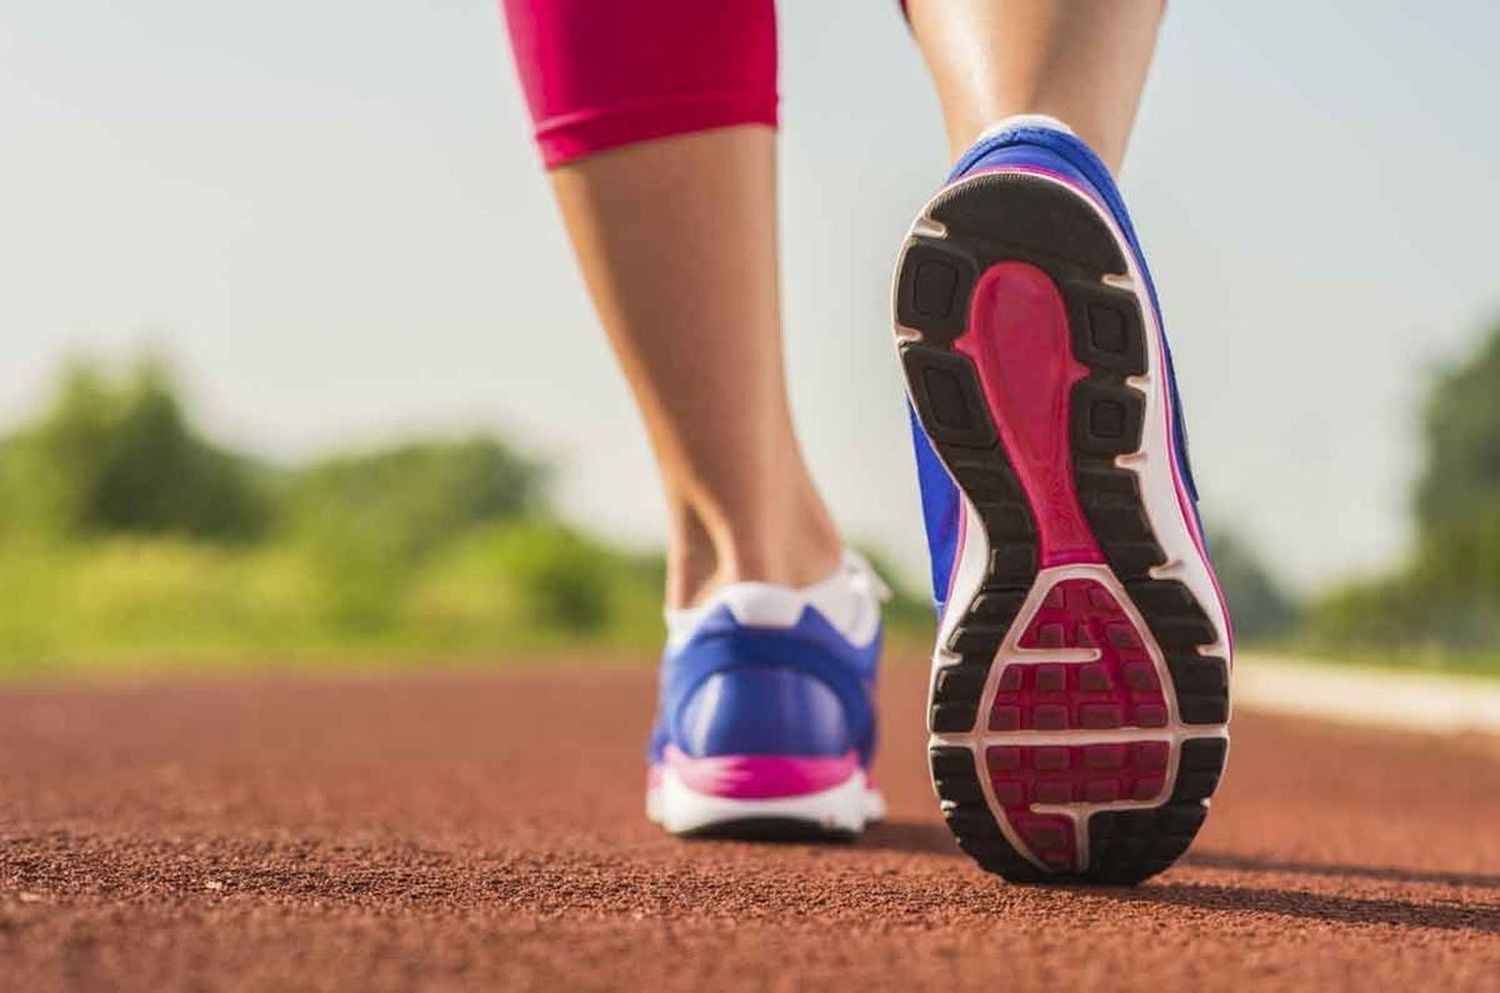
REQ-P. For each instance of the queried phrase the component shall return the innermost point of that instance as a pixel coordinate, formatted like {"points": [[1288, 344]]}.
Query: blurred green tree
{"points": [[1461, 436], [1259, 606], [1447, 594], [1458, 494], [118, 455], [372, 519], [401, 503]]}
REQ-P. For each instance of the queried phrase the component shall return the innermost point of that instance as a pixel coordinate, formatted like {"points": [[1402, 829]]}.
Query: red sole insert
{"points": [[1119, 689], [1018, 342]]}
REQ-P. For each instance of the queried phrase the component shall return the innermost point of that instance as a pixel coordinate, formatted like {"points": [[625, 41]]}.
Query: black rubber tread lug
{"points": [[960, 683], [1037, 217], [1106, 418], [1006, 523], [953, 718], [1176, 619], [1200, 675], [1195, 786], [1107, 330], [947, 397], [933, 287], [969, 818], [976, 639], [960, 789], [998, 606], [948, 761], [1129, 846], [1134, 558], [1013, 563], [1203, 755], [1180, 631], [1164, 596], [987, 480], [1203, 708], [1110, 498], [1104, 483]]}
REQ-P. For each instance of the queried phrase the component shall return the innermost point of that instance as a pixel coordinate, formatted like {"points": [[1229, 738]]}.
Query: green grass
{"points": [[522, 590], [143, 603]]}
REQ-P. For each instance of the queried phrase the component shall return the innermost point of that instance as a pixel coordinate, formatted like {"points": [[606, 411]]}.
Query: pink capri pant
{"points": [[599, 74]]}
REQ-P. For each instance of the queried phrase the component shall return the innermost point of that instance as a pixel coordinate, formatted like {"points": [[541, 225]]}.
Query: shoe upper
{"points": [[1036, 144], [768, 670]]}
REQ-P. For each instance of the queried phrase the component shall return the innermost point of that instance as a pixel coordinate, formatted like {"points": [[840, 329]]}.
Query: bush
{"points": [[400, 504], [118, 456], [531, 581], [371, 521], [126, 535]]}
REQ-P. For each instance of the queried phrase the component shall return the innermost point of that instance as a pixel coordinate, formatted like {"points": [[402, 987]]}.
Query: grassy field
{"points": [[129, 541]]}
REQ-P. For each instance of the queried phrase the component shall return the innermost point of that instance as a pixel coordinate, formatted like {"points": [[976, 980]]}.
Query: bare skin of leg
{"points": [[1081, 61], [677, 242]]}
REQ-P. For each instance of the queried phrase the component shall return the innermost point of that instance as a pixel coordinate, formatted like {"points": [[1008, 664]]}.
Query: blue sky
{"points": [[333, 216]]}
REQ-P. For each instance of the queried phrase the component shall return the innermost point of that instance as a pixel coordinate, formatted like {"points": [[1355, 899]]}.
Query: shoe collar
{"points": [[849, 599]]}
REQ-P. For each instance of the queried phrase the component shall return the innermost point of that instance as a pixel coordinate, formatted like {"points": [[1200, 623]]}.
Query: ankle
{"points": [[795, 557], [797, 553]]}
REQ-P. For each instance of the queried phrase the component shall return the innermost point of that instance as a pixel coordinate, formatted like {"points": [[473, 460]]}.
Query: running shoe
{"points": [[766, 725], [1079, 697]]}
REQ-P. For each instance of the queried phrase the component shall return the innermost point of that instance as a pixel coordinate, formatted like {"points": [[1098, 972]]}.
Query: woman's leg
{"points": [[1081, 61], [657, 119], [677, 238]]}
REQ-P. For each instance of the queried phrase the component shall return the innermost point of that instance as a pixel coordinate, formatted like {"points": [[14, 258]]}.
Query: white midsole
{"points": [[848, 806]]}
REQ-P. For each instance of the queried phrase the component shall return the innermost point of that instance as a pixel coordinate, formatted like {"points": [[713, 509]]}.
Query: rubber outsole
{"points": [[986, 750]]}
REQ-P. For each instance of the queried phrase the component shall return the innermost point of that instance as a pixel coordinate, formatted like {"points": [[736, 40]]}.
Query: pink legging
{"points": [[603, 73]]}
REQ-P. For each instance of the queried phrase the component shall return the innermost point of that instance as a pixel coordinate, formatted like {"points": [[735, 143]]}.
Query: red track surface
{"points": [[483, 831]]}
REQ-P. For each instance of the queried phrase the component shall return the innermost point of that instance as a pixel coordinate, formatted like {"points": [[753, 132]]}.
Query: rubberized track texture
{"points": [[483, 831]]}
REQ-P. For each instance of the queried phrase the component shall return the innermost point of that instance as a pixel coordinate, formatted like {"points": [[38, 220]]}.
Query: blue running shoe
{"points": [[766, 726], [1080, 685]]}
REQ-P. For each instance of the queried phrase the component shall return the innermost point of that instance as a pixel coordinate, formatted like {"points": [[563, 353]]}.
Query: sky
{"points": [[333, 217]]}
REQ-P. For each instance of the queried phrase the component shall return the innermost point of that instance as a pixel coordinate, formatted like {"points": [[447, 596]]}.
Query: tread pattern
{"points": [[948, 398], [1047, 227], [969, 818], [1127, 846]]}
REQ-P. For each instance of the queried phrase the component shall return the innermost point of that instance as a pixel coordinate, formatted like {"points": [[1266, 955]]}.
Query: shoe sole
{"points": [[1079, 698], [838, 813]]}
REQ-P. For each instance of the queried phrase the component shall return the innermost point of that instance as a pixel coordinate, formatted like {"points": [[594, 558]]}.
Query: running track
{"points": [[482, 830]]}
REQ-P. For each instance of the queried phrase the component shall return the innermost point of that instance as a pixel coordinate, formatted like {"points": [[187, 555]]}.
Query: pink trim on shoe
{"points": [[759, 777]]}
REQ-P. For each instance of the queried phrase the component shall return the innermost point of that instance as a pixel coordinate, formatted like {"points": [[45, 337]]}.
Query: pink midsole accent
{"points": [[760, 777], [1019, 341]]}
